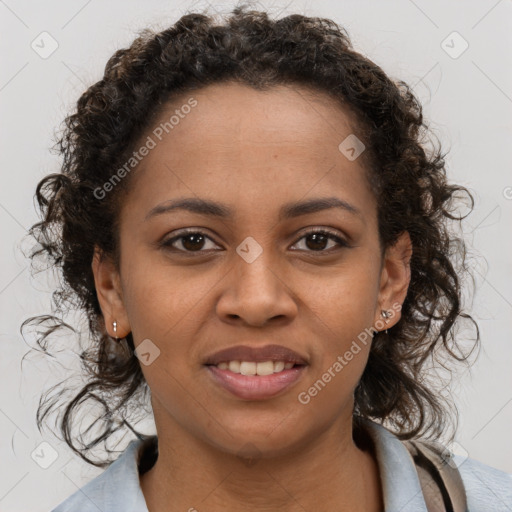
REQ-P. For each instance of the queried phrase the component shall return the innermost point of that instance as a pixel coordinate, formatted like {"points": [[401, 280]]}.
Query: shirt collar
{"points": [[118, 488], [400, 483]]}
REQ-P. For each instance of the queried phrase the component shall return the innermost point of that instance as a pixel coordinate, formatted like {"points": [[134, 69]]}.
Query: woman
{"points": [[260, 241]]}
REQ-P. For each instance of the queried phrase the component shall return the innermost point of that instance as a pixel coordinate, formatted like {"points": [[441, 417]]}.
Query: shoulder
{"points": [[485, 486], [117, 489]]}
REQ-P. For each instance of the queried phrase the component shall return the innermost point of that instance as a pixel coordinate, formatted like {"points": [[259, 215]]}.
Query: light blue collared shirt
{"points": [[117, 489]]}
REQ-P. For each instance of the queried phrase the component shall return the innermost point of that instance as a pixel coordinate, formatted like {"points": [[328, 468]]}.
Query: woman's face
{"points": [[254, 276]]}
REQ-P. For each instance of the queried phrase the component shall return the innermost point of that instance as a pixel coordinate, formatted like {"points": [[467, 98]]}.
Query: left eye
{"points": [[320, 237], [194, 241]]}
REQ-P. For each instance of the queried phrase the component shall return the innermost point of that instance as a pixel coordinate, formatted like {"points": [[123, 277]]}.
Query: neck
{"points": [[331, 469]]}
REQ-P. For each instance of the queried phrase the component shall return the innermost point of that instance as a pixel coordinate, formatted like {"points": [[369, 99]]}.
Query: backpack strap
{"points": [[439, 477]]}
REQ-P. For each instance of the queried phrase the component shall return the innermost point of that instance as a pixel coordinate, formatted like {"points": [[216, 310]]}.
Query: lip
{"points": [[256, 354], [256, 387]]}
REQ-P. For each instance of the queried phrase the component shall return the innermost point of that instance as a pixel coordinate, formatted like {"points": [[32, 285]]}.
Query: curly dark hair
{"points": [[408, 180]]}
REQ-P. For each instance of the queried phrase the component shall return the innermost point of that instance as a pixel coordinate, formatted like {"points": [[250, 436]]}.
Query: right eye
{"points": [[190, 240]]}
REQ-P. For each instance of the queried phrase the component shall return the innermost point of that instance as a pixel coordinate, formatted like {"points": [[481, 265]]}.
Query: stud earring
{"points": [[115, 330], [386, 314]]}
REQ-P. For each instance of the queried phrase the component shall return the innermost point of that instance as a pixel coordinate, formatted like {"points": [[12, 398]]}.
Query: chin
{"points": [[262, 437]]}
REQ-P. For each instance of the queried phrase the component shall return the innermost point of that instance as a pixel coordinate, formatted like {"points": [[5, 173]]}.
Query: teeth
{"points": [[234, 366], [247, 368], [265, 368], [278, 366], [253, 368]]}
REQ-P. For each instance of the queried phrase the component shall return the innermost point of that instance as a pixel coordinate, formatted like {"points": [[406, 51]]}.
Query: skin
{"points": [[253, 151]]}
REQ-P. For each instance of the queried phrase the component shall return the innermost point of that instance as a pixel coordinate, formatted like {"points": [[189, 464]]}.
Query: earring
{"points": [[386, 314], [115, 331]]}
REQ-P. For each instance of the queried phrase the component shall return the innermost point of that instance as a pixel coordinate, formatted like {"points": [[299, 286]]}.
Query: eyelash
{"points": [[191, 231]]}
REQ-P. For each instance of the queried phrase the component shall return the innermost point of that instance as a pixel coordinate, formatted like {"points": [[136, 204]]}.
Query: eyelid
{"points": [[341, 240]]}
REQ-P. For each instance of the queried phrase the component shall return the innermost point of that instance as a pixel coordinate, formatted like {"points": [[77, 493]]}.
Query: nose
{"points": [[257, 293]]}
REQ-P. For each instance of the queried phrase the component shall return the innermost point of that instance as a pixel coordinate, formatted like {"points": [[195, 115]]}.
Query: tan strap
{"points": [[439, 477]]}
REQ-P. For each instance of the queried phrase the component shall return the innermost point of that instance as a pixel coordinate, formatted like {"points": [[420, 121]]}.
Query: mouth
{"points": [[255, 387], [251, 368], [256, 373], [275, 353]]}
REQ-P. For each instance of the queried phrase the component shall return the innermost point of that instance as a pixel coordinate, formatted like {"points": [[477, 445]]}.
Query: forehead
{"points": [[236, 142], [238, 117]]}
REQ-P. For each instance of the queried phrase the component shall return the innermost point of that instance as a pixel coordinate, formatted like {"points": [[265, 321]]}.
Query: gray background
{"points": [[467, 100]]}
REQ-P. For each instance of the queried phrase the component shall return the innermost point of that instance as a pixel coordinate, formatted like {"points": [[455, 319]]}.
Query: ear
{"points": [[394, 280], [109, 293]]}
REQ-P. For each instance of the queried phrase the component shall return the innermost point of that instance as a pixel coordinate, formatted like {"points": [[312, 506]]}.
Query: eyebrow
{"points": [[287, 211]]}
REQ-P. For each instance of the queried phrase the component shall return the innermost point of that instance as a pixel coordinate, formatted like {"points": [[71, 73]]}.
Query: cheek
{"points": [[340, 357], [342, 308], [344, 301], [161, 300], [168, 307]]}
